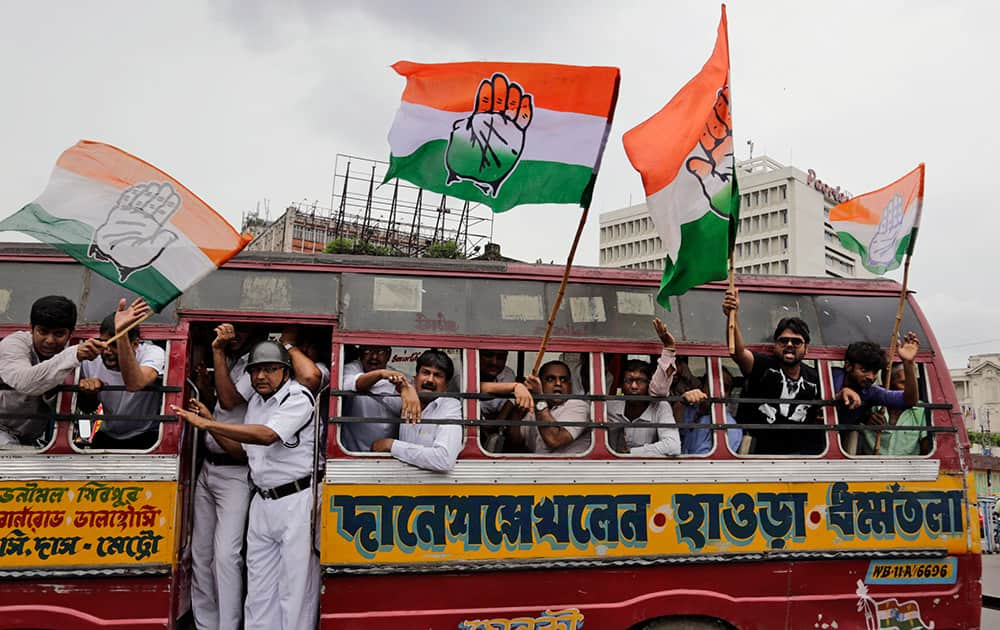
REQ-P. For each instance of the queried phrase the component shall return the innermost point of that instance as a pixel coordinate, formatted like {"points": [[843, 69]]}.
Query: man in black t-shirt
{"points": [[780, 374]]}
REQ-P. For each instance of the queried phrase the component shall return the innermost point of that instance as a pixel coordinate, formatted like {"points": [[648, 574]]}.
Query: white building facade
{"points": [[784, 227]]}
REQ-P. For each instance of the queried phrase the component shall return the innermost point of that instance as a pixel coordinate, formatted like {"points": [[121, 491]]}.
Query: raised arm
{"points": [[304, 369], [225, 390], [666, 366], [134, 375], [907, 353], [742, 356]]}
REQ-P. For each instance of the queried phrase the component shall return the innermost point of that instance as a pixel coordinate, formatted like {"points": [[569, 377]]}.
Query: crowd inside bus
{"points": [[256, 397]]}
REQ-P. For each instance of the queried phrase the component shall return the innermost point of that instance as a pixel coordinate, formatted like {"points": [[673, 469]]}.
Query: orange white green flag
{"points": [[881, 226], [128, 221], [684, 153], [503, 134]]}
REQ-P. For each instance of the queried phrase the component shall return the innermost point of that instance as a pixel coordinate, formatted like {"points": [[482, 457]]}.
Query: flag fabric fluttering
{"points": [[128, 221], [684, 153], [881, 226], [503, 134]]}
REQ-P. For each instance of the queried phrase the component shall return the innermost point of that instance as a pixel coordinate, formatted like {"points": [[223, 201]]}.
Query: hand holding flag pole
{"points": [[128, 318]]}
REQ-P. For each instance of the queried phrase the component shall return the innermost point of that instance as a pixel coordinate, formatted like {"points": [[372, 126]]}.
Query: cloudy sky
{"points": [[245, 100]]}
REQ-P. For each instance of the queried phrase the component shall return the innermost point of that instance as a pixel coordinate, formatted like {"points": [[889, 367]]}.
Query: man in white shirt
{"points": [[127, 363], [429, 446], [358, 437], [277, 437], [635, 438], [32, 363], [550, 437]]}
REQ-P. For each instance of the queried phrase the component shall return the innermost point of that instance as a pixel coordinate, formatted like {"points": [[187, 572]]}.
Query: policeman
{"points": [[277, 437]]}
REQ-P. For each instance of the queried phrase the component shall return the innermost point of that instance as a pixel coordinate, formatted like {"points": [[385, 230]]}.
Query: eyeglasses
{"points": [[266, 369], [636, 381], [379, 352], [790, 341], [552, 378]]}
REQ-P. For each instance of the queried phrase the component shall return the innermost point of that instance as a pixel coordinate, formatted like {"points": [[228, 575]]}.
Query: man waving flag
{"points": [[128, 221], [685, 156]]}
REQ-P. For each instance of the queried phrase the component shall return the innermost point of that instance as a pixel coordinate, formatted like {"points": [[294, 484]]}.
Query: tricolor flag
{"points": [[893, 615], [881, 226], [128, 221], [685, 156], [503, 134]]}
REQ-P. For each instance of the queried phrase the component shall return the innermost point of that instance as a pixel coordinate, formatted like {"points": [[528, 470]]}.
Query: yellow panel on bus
{"points": [[85, 523], [404, 524]]}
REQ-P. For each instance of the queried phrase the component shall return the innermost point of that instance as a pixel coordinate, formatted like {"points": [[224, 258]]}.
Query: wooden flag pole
{"points": [[895, 340], [731, 323], [124, 331], [562, 290]]}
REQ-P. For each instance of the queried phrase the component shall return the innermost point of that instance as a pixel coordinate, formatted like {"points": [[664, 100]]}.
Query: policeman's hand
{"points": [[125, 317], [694, 396], [382, 445], [849, 397], [908, 349], [664, 334], [193, 419], [533, 383], [224, 333], [90, 385], [199, 408], [731, 302], [290, 334], [522, 397], [90, 349], [410, 412]]}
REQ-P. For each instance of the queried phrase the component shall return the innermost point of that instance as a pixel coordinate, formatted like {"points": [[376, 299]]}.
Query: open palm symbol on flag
{"points": [[882, 248], [485, 147], [133, 236], [715, 170]]}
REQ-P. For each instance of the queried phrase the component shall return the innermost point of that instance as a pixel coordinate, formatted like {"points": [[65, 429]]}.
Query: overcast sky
{"points": [[245, 100]]}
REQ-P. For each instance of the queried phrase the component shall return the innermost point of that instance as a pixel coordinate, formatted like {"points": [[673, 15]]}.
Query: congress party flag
{"points": [[881, 226], [684, 153], [128, 221], [503, 134]]}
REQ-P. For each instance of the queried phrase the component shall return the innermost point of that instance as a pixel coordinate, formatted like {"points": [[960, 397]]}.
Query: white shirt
{"points": [[644, 440], [241, 380], [30, 378], [122, 403], [492, 407], [432, 446], [358, 437], [571, 411], [289, 413]]}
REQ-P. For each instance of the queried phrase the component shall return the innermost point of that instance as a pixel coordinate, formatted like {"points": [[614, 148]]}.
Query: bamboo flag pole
{"points": [[731, 324], [562, 290], [895, 340], [124, 331]]}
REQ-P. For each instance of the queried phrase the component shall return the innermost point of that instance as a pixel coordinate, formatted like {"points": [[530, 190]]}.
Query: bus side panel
{"points": [[611, 598], [875, 593], [133, 602]]}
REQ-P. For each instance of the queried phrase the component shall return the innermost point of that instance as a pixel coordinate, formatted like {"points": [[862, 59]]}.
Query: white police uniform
{"points": [[282, 567], [221, 501]]}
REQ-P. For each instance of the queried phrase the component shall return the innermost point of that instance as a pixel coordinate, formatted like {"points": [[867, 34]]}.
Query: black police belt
{"points": [[222, 459], [284, 490]]}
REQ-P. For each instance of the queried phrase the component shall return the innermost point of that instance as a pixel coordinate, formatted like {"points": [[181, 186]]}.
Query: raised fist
{"points": [[133, 236], [485, 147], [882, 248], [715, 169]]}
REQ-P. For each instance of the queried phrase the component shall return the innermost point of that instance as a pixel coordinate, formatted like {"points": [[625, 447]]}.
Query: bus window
{"points": [[143, 430], [795, 440], [526, 439], [635, 440], [759, 313], [356, 436], [892, 443]]}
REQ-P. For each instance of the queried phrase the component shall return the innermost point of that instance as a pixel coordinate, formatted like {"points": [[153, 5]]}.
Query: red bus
{"points": [[726, 539]]}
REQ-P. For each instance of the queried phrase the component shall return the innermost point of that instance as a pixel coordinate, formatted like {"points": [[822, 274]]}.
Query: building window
{"points": [[763, 197], [784, 267], [784, 243], [784, 216], [784, 191]]}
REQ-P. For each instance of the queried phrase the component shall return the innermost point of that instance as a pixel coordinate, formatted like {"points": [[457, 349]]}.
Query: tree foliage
{"points": [[444, 249], [348, 245]]}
